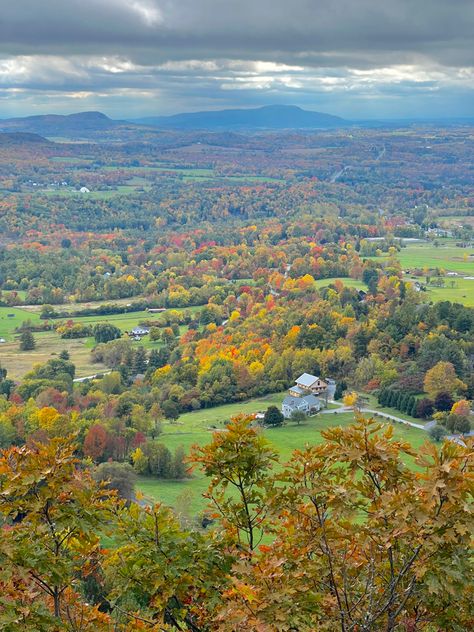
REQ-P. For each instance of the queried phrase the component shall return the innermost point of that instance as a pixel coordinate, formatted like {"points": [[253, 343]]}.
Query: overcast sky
{"points": [[130, 58]]}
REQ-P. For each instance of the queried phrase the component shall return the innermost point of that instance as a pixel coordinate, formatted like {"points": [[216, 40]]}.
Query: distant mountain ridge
{"points": [[22, 138], [266, 117], [98, 125], [59, 124]]}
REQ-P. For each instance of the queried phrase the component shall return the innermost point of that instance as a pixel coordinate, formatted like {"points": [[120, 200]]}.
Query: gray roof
{"points": [[294, 402], [297, 389], [307, 379], [312, 401]]}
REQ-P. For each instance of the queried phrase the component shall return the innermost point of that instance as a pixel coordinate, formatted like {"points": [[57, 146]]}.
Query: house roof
{"points": [[312, 401], [294, 402], [307, 379], [297, 389]]}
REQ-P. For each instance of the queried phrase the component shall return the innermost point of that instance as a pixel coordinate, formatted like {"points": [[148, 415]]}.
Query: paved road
{"points": [[90, 377], [347, 409]]}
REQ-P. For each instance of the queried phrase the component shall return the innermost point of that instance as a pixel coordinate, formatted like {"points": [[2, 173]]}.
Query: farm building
{"points": [[138, 332], [302, 397], [308, 383]]}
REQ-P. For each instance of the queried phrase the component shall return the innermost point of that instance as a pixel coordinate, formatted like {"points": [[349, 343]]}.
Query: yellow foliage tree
{"points": [[351, 400], [442, 378]]}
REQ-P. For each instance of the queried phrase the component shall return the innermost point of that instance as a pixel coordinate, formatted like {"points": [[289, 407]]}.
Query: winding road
{"points": [[347, 409]]}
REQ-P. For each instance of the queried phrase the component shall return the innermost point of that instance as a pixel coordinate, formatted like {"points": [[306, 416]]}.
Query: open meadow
{"points": [[446, 256], [49, 344], [196, 428]]}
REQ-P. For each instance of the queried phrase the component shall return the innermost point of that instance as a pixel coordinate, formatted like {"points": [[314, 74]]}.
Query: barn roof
{"points": [[307, 379]]}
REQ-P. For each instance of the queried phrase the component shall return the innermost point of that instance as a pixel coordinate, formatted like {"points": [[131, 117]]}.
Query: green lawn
{"points": [[121, 189], [462, 292], [193, 428], [347, 281], [446, 256], [11, 318], [49, 344]]}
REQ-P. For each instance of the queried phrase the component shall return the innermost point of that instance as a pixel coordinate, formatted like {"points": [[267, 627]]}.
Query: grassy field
{"points": [[11, 318], [121, 189], [448, 221], [49, 344], [462, 292], [194, 428], [446, 256], [347, 281], [191, 175]]}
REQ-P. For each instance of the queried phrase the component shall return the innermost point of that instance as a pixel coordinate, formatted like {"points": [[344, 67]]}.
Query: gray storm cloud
{"points": [[199, 52]]}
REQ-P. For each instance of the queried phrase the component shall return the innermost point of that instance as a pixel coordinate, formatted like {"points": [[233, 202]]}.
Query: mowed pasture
{"points": [[446, 256], [49, 344], [347, 281], [11, 318], [196, 429], [462, 291]]}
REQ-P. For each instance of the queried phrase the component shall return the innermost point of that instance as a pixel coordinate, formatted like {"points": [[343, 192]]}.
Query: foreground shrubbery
{"points": [[344, 537]]}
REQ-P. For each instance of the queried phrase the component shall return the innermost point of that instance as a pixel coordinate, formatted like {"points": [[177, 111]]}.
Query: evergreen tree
{"points": [[402, 403], [414, 408], [139, 364], [382, 397], [105, 332], [341, 386], [27, 341], [392, 399], [154, 360], [179, 467]]}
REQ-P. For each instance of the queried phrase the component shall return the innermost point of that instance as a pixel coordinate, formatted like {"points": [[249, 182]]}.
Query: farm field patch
{"points": [[447, 257], [49, 345], [347, 281], [11, 318]]}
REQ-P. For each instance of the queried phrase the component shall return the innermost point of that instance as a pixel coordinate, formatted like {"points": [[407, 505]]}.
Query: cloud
{"points": [[186, 54]]}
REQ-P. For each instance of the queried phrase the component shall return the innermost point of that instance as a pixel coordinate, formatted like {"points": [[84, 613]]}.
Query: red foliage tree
{"points": [[95, 442]]}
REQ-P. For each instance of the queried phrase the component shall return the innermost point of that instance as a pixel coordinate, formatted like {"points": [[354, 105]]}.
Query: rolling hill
{"points": [[267, 117], [82, 123]]}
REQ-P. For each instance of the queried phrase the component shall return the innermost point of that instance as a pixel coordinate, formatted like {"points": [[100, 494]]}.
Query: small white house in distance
{"points": [[84, 190], [139, 331]]}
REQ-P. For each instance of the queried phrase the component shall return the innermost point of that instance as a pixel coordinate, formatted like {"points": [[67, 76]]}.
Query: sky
{"points": [[133, 58]]}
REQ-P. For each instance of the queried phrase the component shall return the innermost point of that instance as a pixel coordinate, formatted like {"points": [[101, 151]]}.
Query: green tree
{"points": [[27, 341], [139, 361], [170, 409], [179, 466], [298, 416], [117, 476], [239, 459], [105, 332], [273, 416], [437, 433]]}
